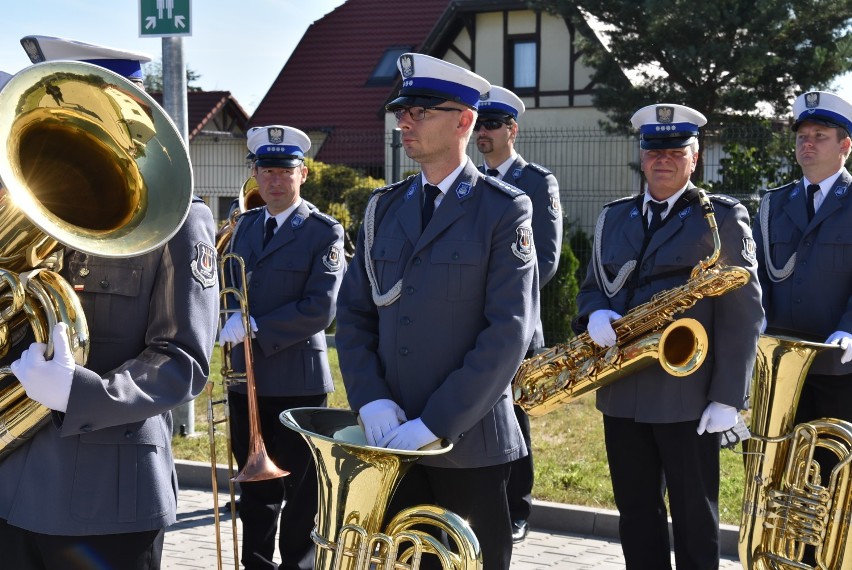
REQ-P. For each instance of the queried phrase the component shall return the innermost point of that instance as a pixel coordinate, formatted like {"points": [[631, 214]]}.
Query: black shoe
{"points": [[520, 529]]}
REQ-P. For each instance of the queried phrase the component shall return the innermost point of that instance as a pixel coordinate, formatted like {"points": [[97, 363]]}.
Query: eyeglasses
{"points": [[489, 124], [419, 113]]}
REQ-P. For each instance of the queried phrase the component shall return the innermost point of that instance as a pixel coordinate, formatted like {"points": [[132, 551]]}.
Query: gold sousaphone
{"points": [[356, 482], [88, 161]]}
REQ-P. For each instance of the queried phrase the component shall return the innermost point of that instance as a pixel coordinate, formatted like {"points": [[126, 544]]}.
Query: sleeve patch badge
{"points": [[204, 265], [523, 246], [749, 250], [332, 259]]}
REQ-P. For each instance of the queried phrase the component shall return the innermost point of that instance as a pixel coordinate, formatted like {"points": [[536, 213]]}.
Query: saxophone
{"points": [[648, 333]]}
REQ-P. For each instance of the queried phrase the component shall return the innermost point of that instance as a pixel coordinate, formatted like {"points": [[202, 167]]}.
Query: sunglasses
{"points": [[489, 124]]}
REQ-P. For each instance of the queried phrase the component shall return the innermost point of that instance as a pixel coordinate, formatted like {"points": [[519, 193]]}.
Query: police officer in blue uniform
{"points": [[438, 307], [496, 131], [293, 256], [662, 432], [96, 487], [804, 249]]}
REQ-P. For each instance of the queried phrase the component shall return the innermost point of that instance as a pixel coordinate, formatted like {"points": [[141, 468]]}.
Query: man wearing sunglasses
{"points": [[438, 307], [496, 130]]}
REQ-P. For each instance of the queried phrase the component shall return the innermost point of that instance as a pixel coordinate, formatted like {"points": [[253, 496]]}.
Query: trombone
{"points": [[258, 467]]}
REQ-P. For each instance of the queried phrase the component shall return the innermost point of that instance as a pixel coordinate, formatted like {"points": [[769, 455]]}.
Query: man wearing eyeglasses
{"points": [[438, 307], [496, 131]]}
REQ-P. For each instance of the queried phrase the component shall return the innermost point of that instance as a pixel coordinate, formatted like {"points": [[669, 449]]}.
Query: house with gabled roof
{"points": [[217, 126], [336, 83]]}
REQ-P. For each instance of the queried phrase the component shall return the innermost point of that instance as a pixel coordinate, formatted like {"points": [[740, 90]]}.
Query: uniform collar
{"points": [[506, 164], [825, 185], [444, 185], [282, 217], [671, 200]]}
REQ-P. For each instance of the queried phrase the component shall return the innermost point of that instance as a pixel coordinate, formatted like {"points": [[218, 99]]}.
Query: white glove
{"points": [[600, 328], [380, 417], [48, 382], [410, 435], [233, 331], [738, 433], [717, 417], [844, 341]]}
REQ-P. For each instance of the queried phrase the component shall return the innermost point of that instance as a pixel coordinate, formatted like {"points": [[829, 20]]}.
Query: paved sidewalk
{"points": [[563, 536]]}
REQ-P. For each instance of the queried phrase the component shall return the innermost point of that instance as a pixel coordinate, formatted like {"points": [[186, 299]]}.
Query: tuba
{"points": [[87, 161], [788, 503], [647, 334], [356, 482]]}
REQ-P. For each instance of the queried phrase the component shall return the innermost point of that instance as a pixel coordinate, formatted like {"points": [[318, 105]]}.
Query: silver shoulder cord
{"points": [[776, 275], [611, 288], [379, 298]]}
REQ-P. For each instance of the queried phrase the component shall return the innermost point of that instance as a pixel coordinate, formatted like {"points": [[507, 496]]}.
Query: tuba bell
{"points": [[87, 161], [356, 482], [788, 503]]}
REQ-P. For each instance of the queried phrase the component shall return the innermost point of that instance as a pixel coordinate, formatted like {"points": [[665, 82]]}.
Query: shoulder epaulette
{"points": [[393, 186], [252, 212], [324, 217], [729, 201], [784, 187], [196, 199], [539, 168], [507, 189], [620, 200]]}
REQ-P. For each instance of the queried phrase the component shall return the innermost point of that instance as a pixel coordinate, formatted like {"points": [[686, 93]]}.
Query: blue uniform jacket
{"points": [[447, 349], [732, 321], [105, 466], [543, 189], [815, 300], [293, 285]]}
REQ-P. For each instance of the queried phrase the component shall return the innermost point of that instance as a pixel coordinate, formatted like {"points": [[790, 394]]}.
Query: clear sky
{"points": [[236, 45]]}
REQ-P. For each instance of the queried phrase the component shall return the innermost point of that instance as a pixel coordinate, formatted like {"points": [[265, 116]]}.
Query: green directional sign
{"points": [[158, 18]]}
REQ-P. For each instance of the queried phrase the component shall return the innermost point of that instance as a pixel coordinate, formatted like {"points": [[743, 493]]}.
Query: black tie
{"points": [[812, 190], [430, 192], [271, 224], [493, 172], [657, 209]]}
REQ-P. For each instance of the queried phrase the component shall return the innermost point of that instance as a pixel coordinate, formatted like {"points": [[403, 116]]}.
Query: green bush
{"points": [[559, 298]]}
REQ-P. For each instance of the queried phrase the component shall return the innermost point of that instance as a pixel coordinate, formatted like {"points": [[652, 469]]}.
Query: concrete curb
{"points": [[558, 517]]}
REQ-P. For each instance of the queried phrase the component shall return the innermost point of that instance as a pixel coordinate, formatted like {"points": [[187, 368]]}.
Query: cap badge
{"points": [[406, 62], [812, 100], [665, 114], [275, 136], [33, 50]]}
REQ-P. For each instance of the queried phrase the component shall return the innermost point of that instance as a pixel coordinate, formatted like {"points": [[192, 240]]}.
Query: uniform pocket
{"points": [[458, 270], [386, 255]]}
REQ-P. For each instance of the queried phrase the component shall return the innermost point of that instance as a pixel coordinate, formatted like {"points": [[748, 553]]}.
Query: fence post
{"points": [[396, 144]]}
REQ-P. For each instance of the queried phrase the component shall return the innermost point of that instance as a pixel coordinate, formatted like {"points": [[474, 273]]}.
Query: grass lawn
{"points": [[568, 448]]}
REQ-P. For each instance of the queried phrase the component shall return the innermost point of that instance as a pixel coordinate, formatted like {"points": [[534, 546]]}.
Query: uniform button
{"points": [[86, 428], [416, 261], [455, 255], [276, 347], [259, 264], [128, 434], [104, 284], [644, 267], [409, 290], [403, 351], [808, 243], [798, 301], [405, 320]]}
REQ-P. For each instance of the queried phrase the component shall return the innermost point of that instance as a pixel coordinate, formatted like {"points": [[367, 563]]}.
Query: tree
{"points": [[724, 58], [154, 77]]}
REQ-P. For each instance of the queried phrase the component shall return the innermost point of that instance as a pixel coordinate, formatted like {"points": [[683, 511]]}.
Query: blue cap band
{"points": [[129, 68], [826, 115], [670, 129], [279, 150], [439, 87], [499, 107]]}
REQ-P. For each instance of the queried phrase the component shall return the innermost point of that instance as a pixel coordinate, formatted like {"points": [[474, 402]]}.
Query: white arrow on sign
{"points": [[151, 22], [179, 22]]}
